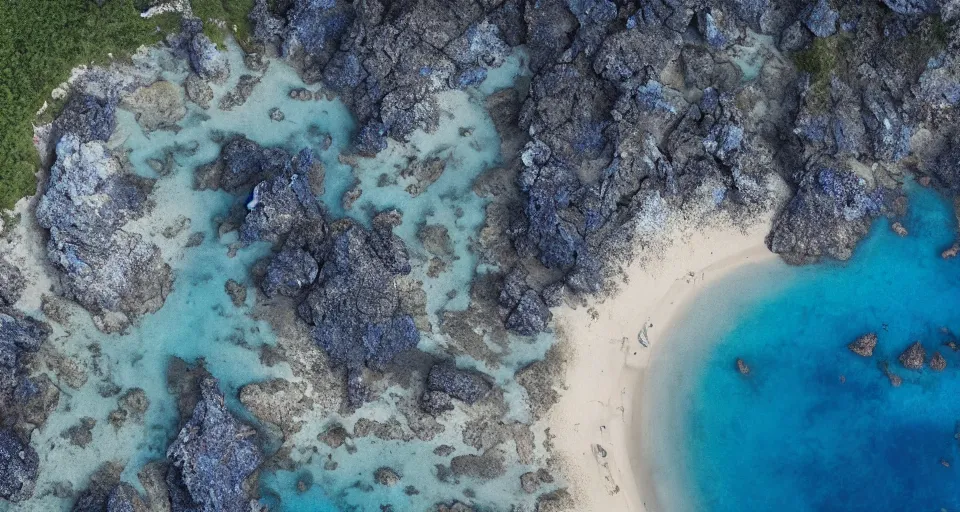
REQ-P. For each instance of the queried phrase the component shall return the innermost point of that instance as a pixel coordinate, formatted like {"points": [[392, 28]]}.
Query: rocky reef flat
{"points": [[319, 270]]}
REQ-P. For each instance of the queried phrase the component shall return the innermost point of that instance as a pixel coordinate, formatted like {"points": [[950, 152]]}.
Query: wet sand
{"points": [[601, 419]]}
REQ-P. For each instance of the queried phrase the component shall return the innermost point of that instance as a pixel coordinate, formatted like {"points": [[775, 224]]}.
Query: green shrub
{"points": [[42, 40]]}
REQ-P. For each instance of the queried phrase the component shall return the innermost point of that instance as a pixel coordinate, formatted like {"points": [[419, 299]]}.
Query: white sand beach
{"points": [[598, 423]]}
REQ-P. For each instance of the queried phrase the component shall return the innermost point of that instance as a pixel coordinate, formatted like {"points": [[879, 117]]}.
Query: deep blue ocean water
{"points": [[815, 427]]}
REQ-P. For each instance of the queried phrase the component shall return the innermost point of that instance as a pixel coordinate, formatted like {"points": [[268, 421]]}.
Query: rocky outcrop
{"points": [[937, 362], [914, 357], [12, 283], [212, 457], [19, 467], [113, 273], [864, 345], [435, 46], [208, 62], [830, 213], [446, 381]]}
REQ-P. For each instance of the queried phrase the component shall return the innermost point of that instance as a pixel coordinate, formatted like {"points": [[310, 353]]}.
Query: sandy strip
{"points": [[605, 365]]}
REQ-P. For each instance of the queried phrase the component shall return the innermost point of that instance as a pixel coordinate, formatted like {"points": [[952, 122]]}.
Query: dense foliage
{"points": [[41, 41]]}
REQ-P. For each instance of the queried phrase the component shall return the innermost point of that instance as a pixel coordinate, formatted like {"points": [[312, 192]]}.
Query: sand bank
{"points": [[598, 423]]}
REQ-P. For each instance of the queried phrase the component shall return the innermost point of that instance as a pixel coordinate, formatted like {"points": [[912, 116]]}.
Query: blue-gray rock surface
{"points": [[90, 197], [212, 457]]}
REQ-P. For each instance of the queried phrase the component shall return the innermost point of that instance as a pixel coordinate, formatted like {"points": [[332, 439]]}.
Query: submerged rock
{"points": [[157, 106], [213, 455], [864, 345], [464, 385], [386, 476], [914, 357], [742, 367]]}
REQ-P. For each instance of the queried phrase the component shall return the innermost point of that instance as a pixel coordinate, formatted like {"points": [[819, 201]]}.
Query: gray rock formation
{"points": [[914, 357], [19, 467], [111, 272], [864, 345], [212, 457]]}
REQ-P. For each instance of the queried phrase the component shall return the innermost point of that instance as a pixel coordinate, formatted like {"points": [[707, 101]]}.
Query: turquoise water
{"points": [[199, 320], [815, 427]]}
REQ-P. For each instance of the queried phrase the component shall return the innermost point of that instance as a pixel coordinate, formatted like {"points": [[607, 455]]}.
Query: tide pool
{"points": [[815, 427], [199, 321]]}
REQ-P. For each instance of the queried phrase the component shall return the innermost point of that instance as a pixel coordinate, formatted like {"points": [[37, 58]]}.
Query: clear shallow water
{"points": [[198, 319], [815, 427]]}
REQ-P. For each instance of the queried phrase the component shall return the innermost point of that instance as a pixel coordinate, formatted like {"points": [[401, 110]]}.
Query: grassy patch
{"points": [[221, 17], [40, 42], [820, 61]]}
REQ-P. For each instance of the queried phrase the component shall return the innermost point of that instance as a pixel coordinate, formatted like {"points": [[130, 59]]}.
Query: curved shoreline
{"points": [[595, 424]]}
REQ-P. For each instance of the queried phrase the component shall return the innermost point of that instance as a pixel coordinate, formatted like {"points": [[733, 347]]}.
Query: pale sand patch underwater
{"points": [[599, 426]]}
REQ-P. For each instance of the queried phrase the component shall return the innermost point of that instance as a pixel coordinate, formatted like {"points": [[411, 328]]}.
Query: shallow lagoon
{"points": [[199, 320], [815, 427]]}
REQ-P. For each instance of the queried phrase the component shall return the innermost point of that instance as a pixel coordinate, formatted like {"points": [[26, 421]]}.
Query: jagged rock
{"points": [[354, 306], [124, 498], [291, 272], [864, 345], [276, 115], [19, 467], [282, 202], [87, 202], [913, 7], [465, 385], [87, 117], [524, 310], [157, 106], [830, 213], [212, 456], [742, 367], [205, 59], [103, 482], [821, 18], [19, 335], [937, 362], [386, 476], [914, 357], [12, 283]]}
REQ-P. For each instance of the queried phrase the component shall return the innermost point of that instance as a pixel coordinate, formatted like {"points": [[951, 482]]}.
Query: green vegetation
{"points": [[820, 60], [232, 14], [42, 40]]}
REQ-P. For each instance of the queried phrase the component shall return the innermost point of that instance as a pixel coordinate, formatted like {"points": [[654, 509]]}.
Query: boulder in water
{"points": [[913, 357], [937, 362], [864, 345]]}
